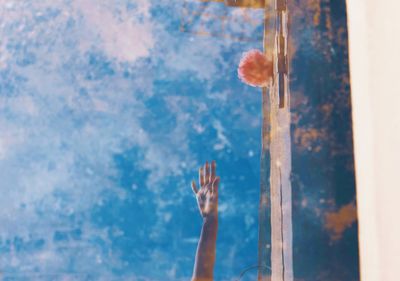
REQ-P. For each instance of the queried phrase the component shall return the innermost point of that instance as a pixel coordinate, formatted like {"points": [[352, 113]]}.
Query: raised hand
{"points": [[207, 200], [207, 194]]}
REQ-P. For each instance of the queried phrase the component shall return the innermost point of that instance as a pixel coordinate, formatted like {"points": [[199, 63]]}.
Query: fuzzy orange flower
{"points": [[255, 69]]}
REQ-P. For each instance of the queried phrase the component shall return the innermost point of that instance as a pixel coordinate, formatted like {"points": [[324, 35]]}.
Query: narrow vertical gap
{"points": [[281, 203]]}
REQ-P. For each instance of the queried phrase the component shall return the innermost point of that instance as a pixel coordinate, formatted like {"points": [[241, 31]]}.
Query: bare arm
{"points": [[207, 200]]}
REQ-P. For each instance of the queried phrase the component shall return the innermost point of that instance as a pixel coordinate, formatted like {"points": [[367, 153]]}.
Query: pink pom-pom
{"points": [[255, 69]]}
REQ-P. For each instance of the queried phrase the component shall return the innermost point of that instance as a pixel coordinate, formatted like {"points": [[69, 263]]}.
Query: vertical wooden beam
{"points": [[280, 153]]}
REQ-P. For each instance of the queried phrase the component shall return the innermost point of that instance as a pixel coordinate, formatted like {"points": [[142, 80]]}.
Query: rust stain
{"points": [[309, 138], [327, 109], [313, 6], [337, 222], [328, 20], [316, 6]]}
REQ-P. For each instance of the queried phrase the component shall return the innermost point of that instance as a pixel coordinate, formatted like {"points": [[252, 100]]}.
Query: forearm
{"points": [[205, 256]]}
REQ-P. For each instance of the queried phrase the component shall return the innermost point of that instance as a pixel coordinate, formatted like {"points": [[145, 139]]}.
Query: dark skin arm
{"points": [[207, 200]]}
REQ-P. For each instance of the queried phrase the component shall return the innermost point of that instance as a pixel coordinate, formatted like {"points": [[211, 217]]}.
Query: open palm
{"points": [[207, 194]]}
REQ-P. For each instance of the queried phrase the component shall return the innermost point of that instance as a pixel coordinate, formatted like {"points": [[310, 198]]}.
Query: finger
{"points": [[207, 173], [201, 176], [194, 187], [213, 168], [215, 185]]}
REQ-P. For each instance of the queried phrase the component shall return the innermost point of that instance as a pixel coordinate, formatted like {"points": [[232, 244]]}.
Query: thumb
{"points": [[194, 187]]}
